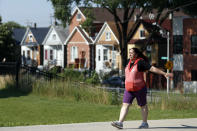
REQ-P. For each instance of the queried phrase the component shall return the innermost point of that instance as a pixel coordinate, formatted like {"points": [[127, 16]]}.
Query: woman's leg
{"points": [[144, 112], [124, 111]]}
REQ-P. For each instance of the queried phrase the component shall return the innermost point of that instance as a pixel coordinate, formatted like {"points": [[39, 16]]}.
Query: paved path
{"points": [[155, 125]]}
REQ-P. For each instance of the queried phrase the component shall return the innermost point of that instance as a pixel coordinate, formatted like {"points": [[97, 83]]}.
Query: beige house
{"points": [[107, 48]]}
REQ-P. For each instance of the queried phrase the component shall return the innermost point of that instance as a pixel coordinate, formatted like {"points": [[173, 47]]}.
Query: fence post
{"points": [[17, 65]]}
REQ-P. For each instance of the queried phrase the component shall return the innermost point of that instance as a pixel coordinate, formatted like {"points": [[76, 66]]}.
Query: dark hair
{"points": [[140, 54]]}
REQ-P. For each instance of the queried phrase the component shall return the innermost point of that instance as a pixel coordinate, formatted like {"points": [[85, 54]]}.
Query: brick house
{"points": [[188, 60], [80, 49]]}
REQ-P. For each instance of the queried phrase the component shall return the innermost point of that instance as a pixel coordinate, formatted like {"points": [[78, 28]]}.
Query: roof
{"points": [[102, 14], [18, 34], [82, 32], [149, 27], [40, 33], [62, 33]]}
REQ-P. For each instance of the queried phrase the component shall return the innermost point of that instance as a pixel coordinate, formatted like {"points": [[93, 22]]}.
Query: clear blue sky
{"points": [[23, 11]]}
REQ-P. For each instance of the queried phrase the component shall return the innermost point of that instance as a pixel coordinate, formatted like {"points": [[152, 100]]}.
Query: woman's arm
{"points": [[158, 71]]}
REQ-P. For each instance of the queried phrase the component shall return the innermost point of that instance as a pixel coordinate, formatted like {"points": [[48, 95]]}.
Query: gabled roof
{"points": [[112, 26], [39, 33], [83, 33], [18, 34], [61, 32], [149, 27]]}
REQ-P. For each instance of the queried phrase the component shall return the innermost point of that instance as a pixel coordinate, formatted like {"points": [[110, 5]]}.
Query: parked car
{"points": [[115, 81]]}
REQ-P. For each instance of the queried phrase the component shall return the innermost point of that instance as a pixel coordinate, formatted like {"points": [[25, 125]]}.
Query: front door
{"points": [[102, 58]]}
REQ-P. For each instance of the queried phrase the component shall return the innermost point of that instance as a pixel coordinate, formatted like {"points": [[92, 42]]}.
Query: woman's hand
{"points": [[168, 75]]}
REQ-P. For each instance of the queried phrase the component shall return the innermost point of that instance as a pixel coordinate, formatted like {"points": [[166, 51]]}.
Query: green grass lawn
{"points": [[31, 109]]}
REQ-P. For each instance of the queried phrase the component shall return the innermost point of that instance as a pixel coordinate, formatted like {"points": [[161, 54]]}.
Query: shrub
{"points": [[73, 75], [94, 78], [55, 70]]}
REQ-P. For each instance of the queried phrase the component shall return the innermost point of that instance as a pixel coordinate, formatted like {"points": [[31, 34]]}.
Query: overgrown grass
{"points": [[72, 90], [174, 101], [68, 89]]}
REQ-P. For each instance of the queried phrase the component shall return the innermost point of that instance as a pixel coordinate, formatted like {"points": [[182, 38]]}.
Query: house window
{"points": [[142, 34], [23, 53], [194, 75], [35, 54], [51, 54], [46, 55], [194, 44], [108, 36], [78, 17], [178, 44], [99, 55], [30, 38], [105, 54], [54, 36], [28, 54], [74, 53]]}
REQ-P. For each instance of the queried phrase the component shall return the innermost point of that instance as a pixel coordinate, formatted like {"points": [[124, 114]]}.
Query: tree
{"points": [[88, 23], [12, 24], [129, 7], [7, 43]]}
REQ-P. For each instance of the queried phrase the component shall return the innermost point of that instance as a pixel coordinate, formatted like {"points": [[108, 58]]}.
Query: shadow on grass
{"points": [[10, 90]]}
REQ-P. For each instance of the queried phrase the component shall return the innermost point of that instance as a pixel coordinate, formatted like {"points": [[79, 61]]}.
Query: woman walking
{"points": [[136, 87]]}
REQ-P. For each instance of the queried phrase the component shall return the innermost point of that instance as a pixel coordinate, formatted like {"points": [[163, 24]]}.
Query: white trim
{"points": [[70, 35], [102, 31], [25, 36], [47, 36], [77, 9], [113, 34], [77, 42], [107, 35]]}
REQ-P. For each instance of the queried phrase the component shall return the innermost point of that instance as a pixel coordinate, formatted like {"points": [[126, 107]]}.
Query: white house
{"points": [[53, 47]]}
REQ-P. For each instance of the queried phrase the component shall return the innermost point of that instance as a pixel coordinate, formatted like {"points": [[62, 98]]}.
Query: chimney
{"points": [[55, 22], [35, 25]]}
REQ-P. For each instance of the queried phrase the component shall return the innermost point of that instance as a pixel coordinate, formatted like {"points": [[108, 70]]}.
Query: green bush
{"points": [[55, 70], [73, 75], [94, 78]]}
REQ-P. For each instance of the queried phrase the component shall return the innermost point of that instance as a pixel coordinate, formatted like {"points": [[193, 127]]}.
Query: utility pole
{"points": [[168, 58], [165, 34]]}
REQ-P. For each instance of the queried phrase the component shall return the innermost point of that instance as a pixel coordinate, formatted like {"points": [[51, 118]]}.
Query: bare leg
{"points": [[144, 112], [123, 111]]}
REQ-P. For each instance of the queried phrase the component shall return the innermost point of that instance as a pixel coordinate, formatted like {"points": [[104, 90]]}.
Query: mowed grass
{"points": [[22, 110]]}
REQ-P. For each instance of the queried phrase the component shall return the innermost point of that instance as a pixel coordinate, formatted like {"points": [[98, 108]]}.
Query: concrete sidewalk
{"points": [[155, 125]]}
